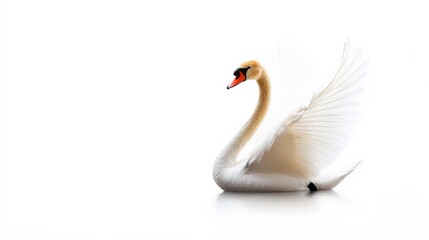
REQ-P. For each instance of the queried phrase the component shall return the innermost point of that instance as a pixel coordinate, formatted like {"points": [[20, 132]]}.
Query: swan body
{"points": [[304, 144]]}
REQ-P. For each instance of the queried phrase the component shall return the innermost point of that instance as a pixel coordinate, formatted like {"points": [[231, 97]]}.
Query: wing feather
{"points": [[313, 137]]}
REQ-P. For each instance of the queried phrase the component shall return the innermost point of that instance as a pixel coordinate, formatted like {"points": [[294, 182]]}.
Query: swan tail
{"points": [[331, 181]]}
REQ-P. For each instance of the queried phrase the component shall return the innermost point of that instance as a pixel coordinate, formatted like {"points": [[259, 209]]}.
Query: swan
{"points": [[304, 144]]}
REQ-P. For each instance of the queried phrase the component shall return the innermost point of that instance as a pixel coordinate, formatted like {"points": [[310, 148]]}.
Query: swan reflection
{"points": [[303, 201]]}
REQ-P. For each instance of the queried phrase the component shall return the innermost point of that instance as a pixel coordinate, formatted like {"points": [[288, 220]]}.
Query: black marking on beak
{"points": [[242, 70]]}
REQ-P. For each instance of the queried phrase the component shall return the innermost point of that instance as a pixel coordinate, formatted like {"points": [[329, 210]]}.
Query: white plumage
{"points": [[305, 143]]}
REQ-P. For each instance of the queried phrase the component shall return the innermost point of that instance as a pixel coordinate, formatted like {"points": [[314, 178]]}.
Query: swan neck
{"points": [[229, 155], [258, 115]]}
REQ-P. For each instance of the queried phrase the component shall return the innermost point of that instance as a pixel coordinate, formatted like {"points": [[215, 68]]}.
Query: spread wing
{"points": [[313, 137]]}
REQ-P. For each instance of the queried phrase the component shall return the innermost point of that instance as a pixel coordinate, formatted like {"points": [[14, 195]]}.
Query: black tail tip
{"points": [[312, 187]]}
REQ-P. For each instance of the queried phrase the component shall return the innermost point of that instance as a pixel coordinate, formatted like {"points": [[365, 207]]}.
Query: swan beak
{"points": [[239, 79]]}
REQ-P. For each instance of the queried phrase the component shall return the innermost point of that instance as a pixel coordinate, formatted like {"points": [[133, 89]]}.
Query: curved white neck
{"points": [[229, 155]]}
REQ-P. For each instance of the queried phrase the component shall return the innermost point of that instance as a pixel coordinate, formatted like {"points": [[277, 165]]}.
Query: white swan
{"points": [[305, 143]]}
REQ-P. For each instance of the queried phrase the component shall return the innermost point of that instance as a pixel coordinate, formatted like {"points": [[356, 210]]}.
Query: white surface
{"points": [[113, 111]]}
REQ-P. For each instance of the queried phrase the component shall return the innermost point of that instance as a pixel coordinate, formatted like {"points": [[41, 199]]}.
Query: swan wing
{"points": [[312, 137]]}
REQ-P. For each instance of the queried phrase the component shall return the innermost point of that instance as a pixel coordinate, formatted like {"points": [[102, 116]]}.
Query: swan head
{"points": [[250, 70]]}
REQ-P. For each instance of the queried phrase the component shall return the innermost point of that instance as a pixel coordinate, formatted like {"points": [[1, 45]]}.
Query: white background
{"points": [[112, 113]]}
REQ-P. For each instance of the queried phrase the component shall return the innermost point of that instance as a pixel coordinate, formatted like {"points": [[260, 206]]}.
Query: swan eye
{"points": [[242, 70]]}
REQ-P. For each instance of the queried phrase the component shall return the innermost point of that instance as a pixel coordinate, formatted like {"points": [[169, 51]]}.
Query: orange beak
{"points": [[239, 79]]}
